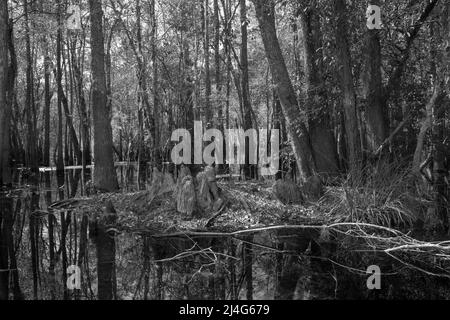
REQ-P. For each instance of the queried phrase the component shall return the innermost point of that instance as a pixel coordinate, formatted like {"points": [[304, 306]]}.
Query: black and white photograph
{"points": [[224, 155]]}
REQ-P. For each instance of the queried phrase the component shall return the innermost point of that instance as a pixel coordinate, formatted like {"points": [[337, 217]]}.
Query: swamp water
{"points": [[283, 264]]}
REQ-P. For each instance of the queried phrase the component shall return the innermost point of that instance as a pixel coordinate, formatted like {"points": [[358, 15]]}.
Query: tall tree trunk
{"points": [[425, 126], [70, 127], [440, 153], [208, 112], [105, 178], [320, 131], [5, 173], [47, 97], [298, 133], [227, 45], [376, 110], [187, 115], [143, 100], [32, 157], [51, 244], [32, 161], [6, 205], [277, 116], [59, 143], [228, 65], [245, 88], [5, 111], [157, 153], [347, 87], [84, 118], [218, 77]]}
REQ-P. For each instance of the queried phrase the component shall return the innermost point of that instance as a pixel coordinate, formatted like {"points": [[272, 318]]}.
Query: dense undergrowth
{"points": [[387, 195]]}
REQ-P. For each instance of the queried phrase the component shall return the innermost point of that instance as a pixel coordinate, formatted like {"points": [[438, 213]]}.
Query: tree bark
{"points": [[376, 109], [424, 128], [84, 118], [208, 114], [245, 88], [47, 102], [320, 131], [47, 97], [5, 111], [441, 150], [32, 154], [105, 178], [218, 77], [157, 153], [347, 87], [298, 133]]}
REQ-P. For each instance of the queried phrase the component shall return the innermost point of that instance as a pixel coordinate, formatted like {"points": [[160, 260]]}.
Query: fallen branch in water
{"points": [[229, 234], [265, 229]]}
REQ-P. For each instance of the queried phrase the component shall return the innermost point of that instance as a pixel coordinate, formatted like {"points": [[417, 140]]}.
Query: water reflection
{"points": [[269, 265]]}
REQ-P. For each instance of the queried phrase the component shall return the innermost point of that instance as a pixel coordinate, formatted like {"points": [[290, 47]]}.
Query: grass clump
{"points": [[381, 195]]}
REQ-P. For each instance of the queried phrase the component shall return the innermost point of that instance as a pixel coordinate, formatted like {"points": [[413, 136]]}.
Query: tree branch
{"points": [[394, 80]]}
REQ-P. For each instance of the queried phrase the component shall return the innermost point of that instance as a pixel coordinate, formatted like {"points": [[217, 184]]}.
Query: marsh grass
{"points": [[383, 195]]}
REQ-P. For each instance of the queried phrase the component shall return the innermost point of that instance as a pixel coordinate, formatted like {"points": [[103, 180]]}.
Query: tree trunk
{"points": [[70, 126], [105, 178], [32, 157], [245, 88], [348, 89], [441, 152], [424, 128], [298, 133], [208, 114], [84, 118], [227, 45], [59, 143], [277, 115], [218, 77], [143, 100], [321, 135], [376, 110], [157, 153], [5, 111], [51, 244]]}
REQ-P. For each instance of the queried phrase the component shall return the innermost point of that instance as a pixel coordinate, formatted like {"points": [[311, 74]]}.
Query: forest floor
{"points": [[247, 205]]}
